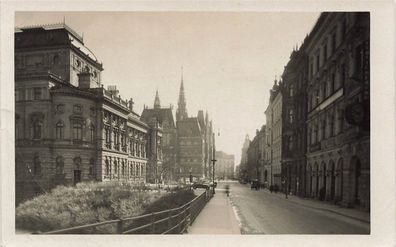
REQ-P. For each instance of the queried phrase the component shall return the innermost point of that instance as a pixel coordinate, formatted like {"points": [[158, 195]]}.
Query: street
{"points": [[261, 212]]}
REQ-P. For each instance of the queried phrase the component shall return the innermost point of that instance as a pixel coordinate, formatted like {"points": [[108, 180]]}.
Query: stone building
{"points": [[244, 159], [224, 168], [68, 128], [164, 116], [338, 155], [256, 157], [273, 147], [294, 115], [195, 142]]}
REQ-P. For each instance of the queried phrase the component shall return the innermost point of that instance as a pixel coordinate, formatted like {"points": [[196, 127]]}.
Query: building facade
{"points": [[338, 155], [225, 165], [256, 157], [68, 128], [195, 142], [164, 116], [244, 160], [294, 114], [273, 147]]}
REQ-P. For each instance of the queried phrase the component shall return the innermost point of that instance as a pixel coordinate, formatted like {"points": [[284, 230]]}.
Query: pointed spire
{"points": [[182, 74], [157, 103], [181, 112]]}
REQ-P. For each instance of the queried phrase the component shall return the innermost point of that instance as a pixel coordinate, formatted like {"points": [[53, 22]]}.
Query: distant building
{"points": [[243, 173], [164, 116], [68, 128], [256, 157], [224, 168], [195, 142], [273, 147]]}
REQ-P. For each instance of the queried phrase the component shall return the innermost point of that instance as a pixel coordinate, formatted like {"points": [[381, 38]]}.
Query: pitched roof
{"points": [[189, 127], [161, 114]]}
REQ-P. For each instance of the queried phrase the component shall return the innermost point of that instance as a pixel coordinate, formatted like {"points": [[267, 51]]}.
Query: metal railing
{"points": [[172, 221]]}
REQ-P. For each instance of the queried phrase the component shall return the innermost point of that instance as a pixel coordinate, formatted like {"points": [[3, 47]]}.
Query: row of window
{"points": [[77, 128], [327, 88], [117, 140], [329, 46], [35, 93], [59, 165], [326, 128], [130, 168]]}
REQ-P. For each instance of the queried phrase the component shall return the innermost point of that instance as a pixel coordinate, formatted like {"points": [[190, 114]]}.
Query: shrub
{"points": [[85, 203]]}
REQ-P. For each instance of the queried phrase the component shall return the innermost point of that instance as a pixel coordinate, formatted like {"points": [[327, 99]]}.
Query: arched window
{"points": [[77, 163], [92, 133], [291, 116], [36, 165], [59, 130], [91, 166], [77, 131], [290, 142], [291, 90], [115, 167], [107, 167], [59, 165], [37, 129]]}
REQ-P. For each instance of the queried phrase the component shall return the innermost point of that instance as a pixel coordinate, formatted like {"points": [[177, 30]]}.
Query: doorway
{"points": [[77, 176]]}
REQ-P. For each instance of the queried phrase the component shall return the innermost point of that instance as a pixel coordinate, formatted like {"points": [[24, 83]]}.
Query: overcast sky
{"points": [[230, 59]]}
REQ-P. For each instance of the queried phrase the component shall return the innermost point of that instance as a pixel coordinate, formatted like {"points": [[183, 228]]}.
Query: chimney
{"points": [[131, 104], [113, 90], [84, 80]]}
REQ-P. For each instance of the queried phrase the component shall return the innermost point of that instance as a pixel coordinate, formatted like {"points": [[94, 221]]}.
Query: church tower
{"points": [[157, 103], [181, 112]]}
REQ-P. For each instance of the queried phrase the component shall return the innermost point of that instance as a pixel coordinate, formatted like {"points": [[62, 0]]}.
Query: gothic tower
{"points": [[157, 104], [181, 112]]}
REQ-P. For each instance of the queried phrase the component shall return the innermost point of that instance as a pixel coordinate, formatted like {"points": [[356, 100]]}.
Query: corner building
{"points": [[338, 140], [68, 128]]}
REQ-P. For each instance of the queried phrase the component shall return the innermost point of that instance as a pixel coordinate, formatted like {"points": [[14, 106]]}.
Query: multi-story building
{"points": [[338, 155], [164, 116], [244, 159], [294, 114], [273, 147], [68, 128], [224, 168], [256, 157], [195, 142]]}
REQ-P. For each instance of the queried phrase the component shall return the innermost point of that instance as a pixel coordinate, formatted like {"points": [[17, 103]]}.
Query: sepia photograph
{"points": [[194, 123], [90, 159]]}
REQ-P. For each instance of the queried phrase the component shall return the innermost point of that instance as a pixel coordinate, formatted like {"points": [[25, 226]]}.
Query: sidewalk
{"points": [[326, 206], [217, 217]]}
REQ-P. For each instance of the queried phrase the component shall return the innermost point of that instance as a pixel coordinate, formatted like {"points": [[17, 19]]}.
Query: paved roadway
{"points": [[260, 212]]}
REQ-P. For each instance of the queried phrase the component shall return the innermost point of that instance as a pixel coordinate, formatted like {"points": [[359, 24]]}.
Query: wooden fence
{"points": [[172, 221]]}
